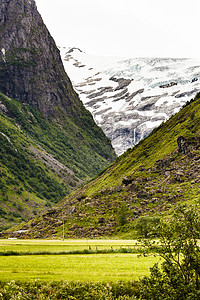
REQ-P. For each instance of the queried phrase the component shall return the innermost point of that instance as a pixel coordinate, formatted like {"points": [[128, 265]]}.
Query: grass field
{"points": [[76, 267], [59, 246]]}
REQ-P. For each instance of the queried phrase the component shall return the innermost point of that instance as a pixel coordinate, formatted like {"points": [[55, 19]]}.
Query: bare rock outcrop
{"points": [[31, 69]]}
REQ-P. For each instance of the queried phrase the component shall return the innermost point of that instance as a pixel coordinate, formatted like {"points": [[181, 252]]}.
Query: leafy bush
{"points": [[145, 225], [179, 276], [68, 290]]}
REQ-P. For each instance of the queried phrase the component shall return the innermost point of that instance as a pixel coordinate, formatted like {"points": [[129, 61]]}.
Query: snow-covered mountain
{"points": [[130, 97]]}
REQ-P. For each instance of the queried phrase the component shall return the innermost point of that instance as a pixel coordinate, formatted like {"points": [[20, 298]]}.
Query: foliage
{"points": [[179, 277], [122, 215], [144, 225], [68, 290], [24, 170]]}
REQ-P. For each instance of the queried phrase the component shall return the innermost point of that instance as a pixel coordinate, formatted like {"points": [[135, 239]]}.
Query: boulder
{"points": [[127, 180]]}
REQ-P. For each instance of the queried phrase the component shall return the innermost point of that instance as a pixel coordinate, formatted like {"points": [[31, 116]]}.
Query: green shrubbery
{"points": [[179, 275], [68, 290], [144, 225], [25, 170], [81, 149]]}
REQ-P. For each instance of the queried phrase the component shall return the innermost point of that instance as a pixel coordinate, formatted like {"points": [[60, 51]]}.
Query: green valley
{"points": [[76, 221], [148, 180], [41, 162]]}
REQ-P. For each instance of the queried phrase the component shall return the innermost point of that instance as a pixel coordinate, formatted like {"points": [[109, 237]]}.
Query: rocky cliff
{"points": [[31, 69]]}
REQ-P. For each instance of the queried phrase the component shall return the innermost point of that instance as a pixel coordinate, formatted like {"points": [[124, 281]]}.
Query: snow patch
{"points": [[130, 97]]}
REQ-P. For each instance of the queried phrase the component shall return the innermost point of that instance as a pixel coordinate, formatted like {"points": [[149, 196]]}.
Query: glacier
{"points": [[129, 97]]}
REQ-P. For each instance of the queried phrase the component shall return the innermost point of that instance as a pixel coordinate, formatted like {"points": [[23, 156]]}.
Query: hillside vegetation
{"points": [[147, 180], [49, 142], [42, 161]]}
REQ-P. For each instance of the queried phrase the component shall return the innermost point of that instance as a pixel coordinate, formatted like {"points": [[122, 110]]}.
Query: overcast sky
{"points": [[125, 28]]}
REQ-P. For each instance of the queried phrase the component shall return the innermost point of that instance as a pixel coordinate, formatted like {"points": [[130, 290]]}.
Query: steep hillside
{"points": [[130, 97], [41, 162], [149, 179], [49, 143]]}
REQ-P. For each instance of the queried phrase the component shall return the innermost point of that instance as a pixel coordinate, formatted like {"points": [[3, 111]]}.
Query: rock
{"points": [[122, 82], [101, 221], [183, 145], [127, 180], [194, 79], [3, 108], [168, 85], [118, 189], [72, 210], [162, 164], [143, 194], [187, 94], [154, 200], [88, 204], [81, 197], [51, 212]]}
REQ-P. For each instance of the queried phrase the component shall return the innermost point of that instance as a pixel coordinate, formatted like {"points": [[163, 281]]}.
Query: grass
{"points": [[80, 267], [94, 267], [161, 142], [60, 246]]}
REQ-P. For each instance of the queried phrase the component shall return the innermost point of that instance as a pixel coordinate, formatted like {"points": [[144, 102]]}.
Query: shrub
{"points": [[179, 276], [145, 225]]}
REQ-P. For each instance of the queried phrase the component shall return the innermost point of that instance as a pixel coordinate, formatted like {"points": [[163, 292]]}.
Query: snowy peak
{"points": [[130, 97]]}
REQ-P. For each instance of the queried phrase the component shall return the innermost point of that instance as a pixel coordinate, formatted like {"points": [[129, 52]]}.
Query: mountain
{"points": [[49, 142], [128, 98], [161, 171]]}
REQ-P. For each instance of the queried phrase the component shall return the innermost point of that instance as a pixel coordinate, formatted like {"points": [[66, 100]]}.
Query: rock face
{"points": [[31, 69], [130, 97]]}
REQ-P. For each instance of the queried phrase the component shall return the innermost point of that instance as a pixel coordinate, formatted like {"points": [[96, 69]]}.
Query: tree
{"points": [[145, 225], [179, 275], [123, 215]]}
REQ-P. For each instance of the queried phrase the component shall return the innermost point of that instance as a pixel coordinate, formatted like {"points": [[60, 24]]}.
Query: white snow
{"points": [[158, 89]]}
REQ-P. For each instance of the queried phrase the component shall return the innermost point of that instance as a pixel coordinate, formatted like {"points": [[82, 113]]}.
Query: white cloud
{"points": [[125, 27]]}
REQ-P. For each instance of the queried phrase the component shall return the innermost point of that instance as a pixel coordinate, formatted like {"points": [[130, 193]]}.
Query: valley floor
{"points": [[72, 260]]}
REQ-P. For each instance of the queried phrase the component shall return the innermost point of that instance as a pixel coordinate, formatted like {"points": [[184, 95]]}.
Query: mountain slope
{"points": [[50, 143], [41, 162], [31, 69], [130, 97], [162, 170]]}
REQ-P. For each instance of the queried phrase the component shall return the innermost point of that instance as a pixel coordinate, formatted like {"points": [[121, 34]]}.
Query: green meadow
{"points": [[29, 263], [66, 245]]}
